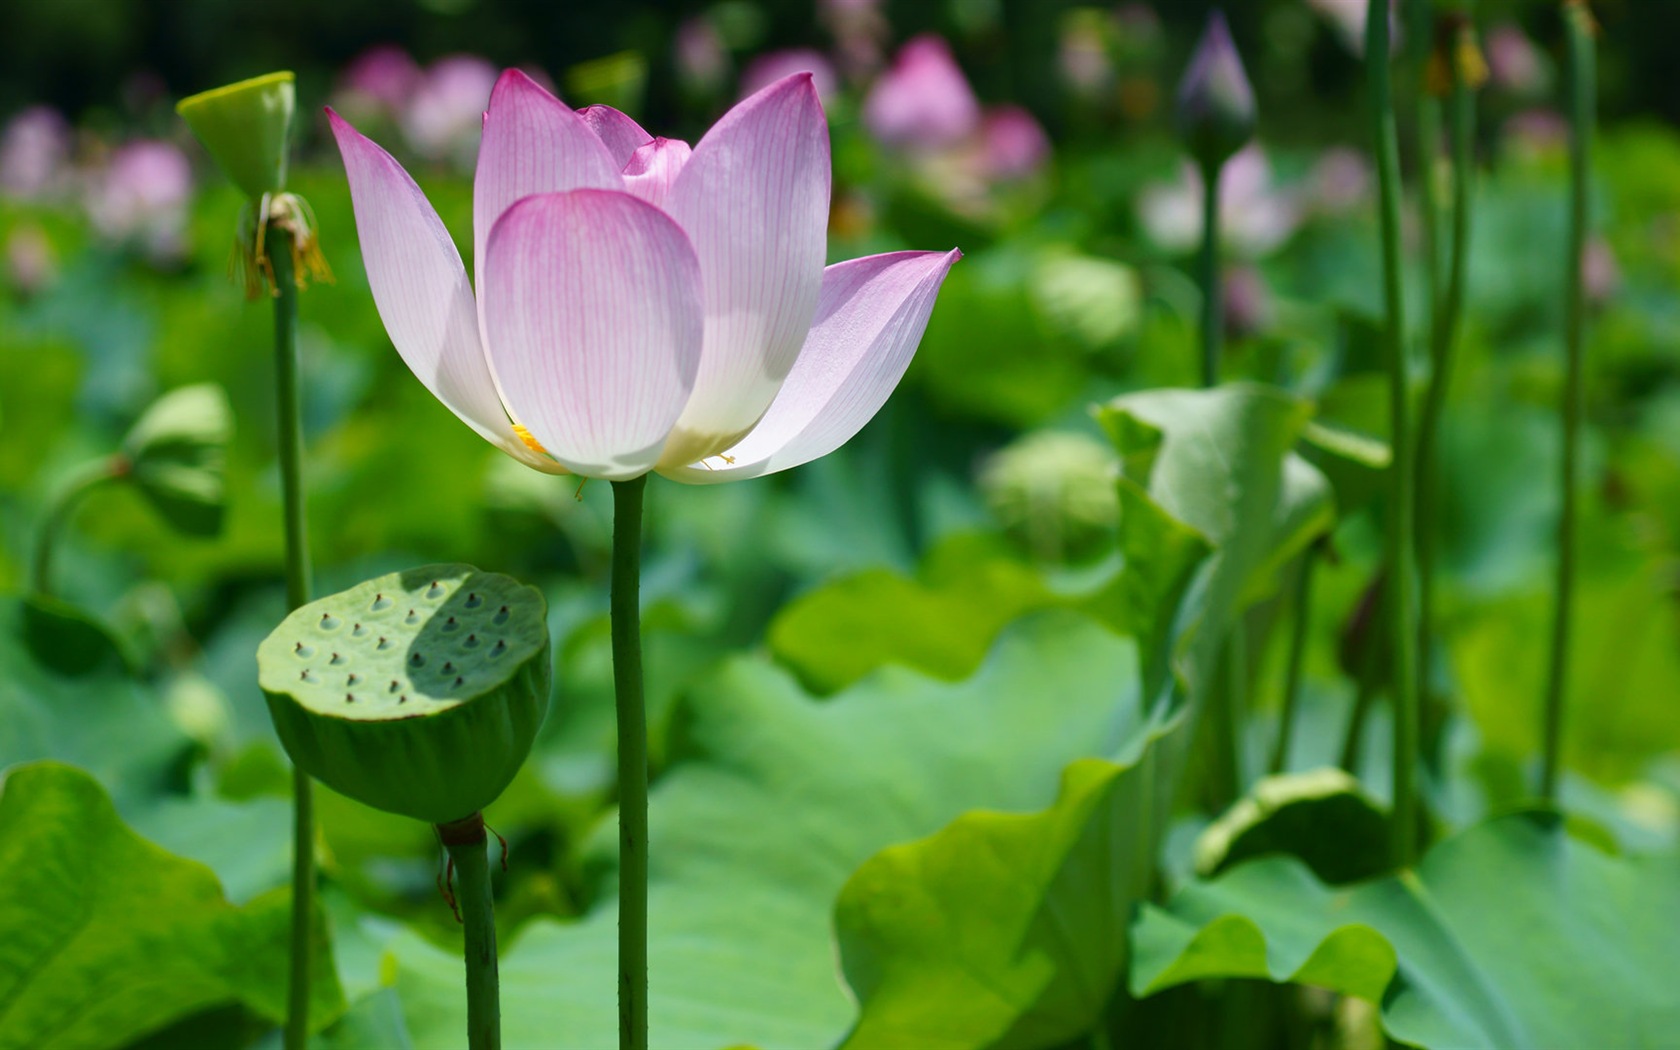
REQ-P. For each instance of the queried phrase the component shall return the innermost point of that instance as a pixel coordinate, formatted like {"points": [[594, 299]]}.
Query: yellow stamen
{"points": [[531, 443]]}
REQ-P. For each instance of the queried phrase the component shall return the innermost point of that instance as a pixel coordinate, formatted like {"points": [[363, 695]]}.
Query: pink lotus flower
{"points": [[766, 69], [641, 305]]}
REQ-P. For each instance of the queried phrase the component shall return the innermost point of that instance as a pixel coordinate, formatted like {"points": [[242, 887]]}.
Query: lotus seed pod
{"points": [[417, 693], [244, 126], [1054, 493], [177, 456]]}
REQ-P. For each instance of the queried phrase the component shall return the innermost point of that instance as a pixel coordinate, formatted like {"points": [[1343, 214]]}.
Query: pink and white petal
{"points": [[421, 289], [870, 318], [754, 200], [594, 320], [654, 168], [621, 135], [533, 143]]}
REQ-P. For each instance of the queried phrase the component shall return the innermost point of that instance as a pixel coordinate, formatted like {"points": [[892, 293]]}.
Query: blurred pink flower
{"points": [[701, 56], [1247, 300], [1535, 133], [1013, 144], [1348, 18], [441, 119], [923, 101], [31, 263], [1255, 216], [1514, 63], [34, 154], [141, 194], [1601, 277], [772, 66], [859, 29], [1341, 181], [1082, 57], [379, 80], [641, 305]]}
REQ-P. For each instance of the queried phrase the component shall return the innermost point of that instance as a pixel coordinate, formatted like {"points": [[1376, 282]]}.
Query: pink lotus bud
{"points": [[768, 68], [1013, 144], [380, 80], [923, 102], [442, 118], [1215, 102], [34, 153], [701, 56]]}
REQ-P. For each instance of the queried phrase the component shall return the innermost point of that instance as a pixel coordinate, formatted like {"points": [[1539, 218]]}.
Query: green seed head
{"points": [[417, 693], [244, 126]]}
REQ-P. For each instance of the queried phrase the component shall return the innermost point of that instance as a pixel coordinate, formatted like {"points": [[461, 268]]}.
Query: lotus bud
{"points": [[1054, 492], [418, 692], [176, 456], [245, 126], [1215, 101]]}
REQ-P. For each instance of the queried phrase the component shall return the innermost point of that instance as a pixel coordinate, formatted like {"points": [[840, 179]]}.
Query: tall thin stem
{"points": [[1297, 659], [466, 842], [77, 484], [1582, 105], [279, 250], [1427, 114], [1399, 533], [632, 763], [1443, 344], [1213, 325]]}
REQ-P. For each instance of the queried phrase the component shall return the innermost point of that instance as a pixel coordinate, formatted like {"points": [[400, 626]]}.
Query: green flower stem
{"points": [[279, 248], [632, 763], [1228, 713], [1583, 78], [466, 843], [1443, 344], [1297, 658], [81, 481], [1420, 32], [1213, 325], [1399, 533]]}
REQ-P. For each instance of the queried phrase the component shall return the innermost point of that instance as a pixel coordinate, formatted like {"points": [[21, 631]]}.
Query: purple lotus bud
{"points": [[34, 153], [923, 102], [768, 68], [701, 56], [379, 80], [1013, 144], [1215, 102], [444, 114]]}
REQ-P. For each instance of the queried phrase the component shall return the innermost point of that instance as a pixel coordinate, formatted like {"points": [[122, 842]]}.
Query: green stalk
{"points": [[466, 842], [81, 481], [1443, 344], [1399, 533], [1213, 325], [279, 250], [632, 763], [1582, 104], [1297, 658], [1420, 33]]}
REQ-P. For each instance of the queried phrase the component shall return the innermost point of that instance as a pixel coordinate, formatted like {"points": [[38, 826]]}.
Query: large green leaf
{"points": [[941, 623], [105, 937], [1511, 935], [66, 693], [774, 800], [1219, 461]]}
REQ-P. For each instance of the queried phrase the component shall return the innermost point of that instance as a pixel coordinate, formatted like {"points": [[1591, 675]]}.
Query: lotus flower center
{"points": [[531, 443]]}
